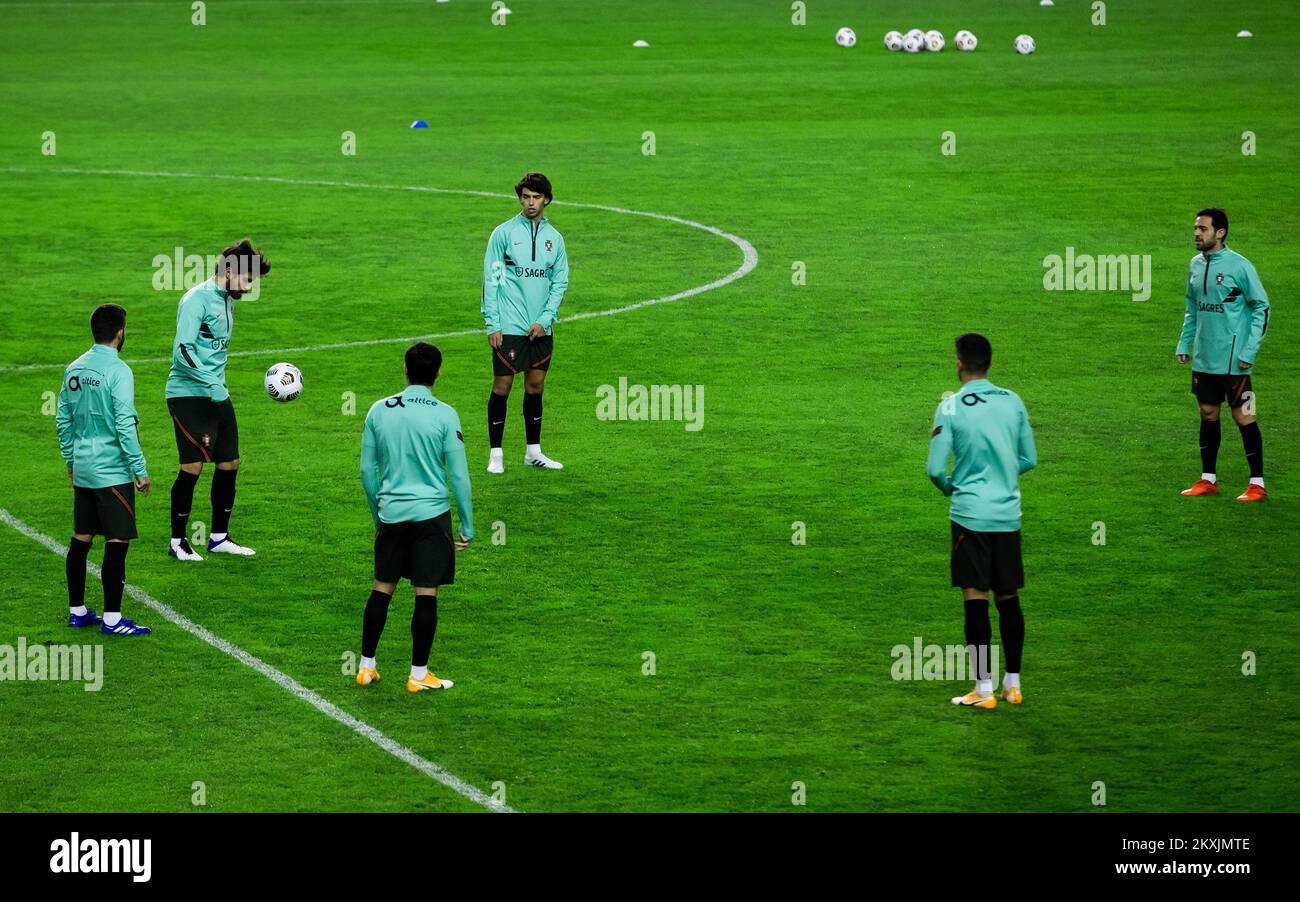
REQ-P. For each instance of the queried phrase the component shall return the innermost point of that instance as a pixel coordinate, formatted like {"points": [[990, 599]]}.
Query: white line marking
{"points": [[394, 748], [747, 249]]}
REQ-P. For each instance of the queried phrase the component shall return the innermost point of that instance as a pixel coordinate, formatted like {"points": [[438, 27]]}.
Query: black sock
{"points": [[76, 566], [1210, 437], [182, 500], [1253, 442], [1011, 624], [979, 633], [533, 418], [372, 625], [496, 419], [424, 622], [223, 499], [113, 575]]}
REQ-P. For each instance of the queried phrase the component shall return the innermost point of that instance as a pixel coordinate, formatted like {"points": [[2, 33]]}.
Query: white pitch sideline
{"points": [[284, 681]]}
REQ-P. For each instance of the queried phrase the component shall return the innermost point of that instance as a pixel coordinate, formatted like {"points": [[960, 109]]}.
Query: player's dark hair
{"points": [[423, 361], [106, 321], [243, 258], [974, 352], [1218, 219], [534, 181]]}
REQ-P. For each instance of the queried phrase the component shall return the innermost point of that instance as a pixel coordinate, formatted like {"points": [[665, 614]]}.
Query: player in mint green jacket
{"points": [[203, 416], [411, 446], [99, 438], [986, 431], [525, 275], [1226, 319]]}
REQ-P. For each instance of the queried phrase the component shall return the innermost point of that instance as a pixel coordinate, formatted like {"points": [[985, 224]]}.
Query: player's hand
{"points": [[1241, 364], [1183, 358], [461, 542], [535, 331], [69, 475], [495, 339], [143, 485]]}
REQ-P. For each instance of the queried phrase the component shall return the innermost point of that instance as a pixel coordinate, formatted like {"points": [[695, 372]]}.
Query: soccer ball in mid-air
{"points": [[283, 382], [893, 40], [845, 37], [1025, 44], [964, 40], [933, 41], [913, 44]]}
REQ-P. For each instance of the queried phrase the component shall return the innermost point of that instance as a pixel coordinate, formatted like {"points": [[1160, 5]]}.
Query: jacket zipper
{"points": [[536, 227], [1205, 284]]}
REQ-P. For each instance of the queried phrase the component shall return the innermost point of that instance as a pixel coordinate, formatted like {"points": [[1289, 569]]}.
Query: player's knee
{"points": [[1242, 418], [229, 464], [386, 588], [83, 538], [193, 469], [1209, 414], [501, 385], [421, 592]]}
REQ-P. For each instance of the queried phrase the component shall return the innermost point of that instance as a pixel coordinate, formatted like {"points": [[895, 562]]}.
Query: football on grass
{"points": [[283, 382]]}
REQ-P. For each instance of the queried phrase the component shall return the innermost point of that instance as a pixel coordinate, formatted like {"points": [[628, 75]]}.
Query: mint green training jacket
{"points": [[410, 444], [525, 275], [986, 430], [96, 420], [1227, 313]]}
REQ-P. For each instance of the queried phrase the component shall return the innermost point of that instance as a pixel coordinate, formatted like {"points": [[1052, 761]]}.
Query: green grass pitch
{"points": [[773, 660]]}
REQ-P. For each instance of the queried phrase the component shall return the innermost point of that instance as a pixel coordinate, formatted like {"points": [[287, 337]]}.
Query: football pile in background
{"points": [[917, 40]]}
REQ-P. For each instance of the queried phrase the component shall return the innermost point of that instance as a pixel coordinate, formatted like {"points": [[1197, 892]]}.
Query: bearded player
{"points": [[199, 402], [1226, 318]]}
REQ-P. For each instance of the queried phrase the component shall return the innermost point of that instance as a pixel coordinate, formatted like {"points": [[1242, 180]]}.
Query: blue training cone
{"points": [[419, 123]]}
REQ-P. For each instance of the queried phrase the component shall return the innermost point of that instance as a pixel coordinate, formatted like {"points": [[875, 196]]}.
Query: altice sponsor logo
{"points": [[941, 662], [103, 856], [683, 403], [1104, 272], [57, 663]]}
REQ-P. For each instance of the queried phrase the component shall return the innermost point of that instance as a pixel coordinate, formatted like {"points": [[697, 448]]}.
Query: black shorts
{"points": [[518, 354], [986, 560], [419, 550], [107, 512], [1215, 388], [206, 430]]}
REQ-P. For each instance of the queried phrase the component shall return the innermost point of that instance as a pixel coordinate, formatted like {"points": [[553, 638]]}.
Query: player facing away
{"points": [[100, 440], [1226, 318], [986, 430], [411, 443], [525, 275], [199, 402]]}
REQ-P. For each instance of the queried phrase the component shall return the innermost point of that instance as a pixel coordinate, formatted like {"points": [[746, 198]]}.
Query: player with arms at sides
{"points": [[525, 275], [199, 402], [986, 431], [1226, 318], [100, 441], [411, 443]]}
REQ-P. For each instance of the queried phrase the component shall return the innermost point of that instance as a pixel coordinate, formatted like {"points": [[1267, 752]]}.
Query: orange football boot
{"points": [[366, 676], [1203, 487], [973, 699], [1253, 493]]}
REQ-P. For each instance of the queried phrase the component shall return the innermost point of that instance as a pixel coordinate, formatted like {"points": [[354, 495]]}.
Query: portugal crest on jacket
{"points": [[548, 244]]}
